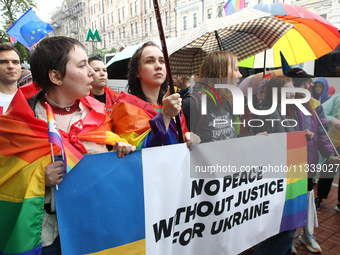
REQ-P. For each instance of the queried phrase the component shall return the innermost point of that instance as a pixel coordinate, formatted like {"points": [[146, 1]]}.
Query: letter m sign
{"points": [[93, 36]]}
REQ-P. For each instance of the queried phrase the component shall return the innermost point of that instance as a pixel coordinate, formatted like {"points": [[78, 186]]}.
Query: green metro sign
{"points": [[93, 36]]}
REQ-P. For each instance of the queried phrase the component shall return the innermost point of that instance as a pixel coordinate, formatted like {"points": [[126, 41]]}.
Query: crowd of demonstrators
{"points": [[218, 67], [319, 143], [10, 71], [100, 90], [144, 117], [332, 113], [284, 240], [60, 69], [320, 90]]}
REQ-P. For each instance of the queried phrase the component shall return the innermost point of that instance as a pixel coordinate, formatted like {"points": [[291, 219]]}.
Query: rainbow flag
{"points": [[295, 208], [24, 155], [132, 119], [70, 155], [233, 6]]}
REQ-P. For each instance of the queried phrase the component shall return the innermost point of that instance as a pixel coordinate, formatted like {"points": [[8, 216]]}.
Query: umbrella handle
{"points": [[218, 41], [167, 64]]}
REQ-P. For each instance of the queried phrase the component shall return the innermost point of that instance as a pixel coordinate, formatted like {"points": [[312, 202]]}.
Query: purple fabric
{"points": [[320, 141], [290, 222], [159, 131]]}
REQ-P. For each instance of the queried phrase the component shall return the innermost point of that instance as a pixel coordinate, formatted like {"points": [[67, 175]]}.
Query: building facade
{"points": [[123, 23]]}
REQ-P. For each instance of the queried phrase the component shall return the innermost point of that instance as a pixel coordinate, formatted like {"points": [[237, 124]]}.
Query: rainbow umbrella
{"points": [[311, 38]]}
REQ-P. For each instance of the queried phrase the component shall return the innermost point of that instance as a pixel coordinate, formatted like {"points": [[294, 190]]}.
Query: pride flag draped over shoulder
{"points": [[24, 154], [131, 120], [233, 6]]}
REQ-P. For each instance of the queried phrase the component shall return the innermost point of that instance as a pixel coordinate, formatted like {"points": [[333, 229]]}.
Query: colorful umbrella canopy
{"points": [[243, 33], [311, 38]]}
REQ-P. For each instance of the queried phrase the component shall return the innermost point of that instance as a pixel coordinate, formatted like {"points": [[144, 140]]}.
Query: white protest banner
{"points": [[146, 203]]}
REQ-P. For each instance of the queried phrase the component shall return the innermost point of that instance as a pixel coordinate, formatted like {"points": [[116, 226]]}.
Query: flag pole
{"points": [[167, 63], [52, 155], [326, 133]]}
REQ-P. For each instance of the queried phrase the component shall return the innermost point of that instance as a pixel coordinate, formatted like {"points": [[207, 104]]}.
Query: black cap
{"points": [[298, 73]]}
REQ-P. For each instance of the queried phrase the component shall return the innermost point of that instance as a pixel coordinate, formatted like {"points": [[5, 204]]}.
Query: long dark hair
{"points": [[134, 87]]}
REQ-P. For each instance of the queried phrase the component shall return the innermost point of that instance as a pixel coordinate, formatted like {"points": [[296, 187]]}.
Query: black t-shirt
{"points": [[216, 125], [101, 98]]}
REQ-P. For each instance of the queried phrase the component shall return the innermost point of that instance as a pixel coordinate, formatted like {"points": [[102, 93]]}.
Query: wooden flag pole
{"points": [[167, 63]]}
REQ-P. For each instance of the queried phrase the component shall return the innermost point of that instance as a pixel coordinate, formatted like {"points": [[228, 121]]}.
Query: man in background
{"points": [[183, 84], [100, 91], [10, 71]]}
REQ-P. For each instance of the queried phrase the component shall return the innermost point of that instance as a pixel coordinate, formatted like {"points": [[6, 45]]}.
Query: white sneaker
{"points": [[309, 241], [337, 208], [294, 250]]}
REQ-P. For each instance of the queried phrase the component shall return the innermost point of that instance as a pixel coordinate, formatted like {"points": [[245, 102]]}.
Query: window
{"points": [[136, 28], [113, 35], [123, 12], [131, 8], [246, 3], [150, 3], [167, 20], [146, 26], [123, 32], [91, 10], [260, 2], [109, 36], [108, 18], [84, 21], [120, 33], [209, 11], [136, 7], [131, 29], [112, 20], [120, 20], [185, 23], [99, 6], [151, 24], [145, 4], [194, 20], [100, 23], [220, 10]]}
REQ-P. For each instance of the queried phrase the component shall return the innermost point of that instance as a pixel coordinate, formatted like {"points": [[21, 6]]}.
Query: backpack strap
{"points": [[197, 98]]}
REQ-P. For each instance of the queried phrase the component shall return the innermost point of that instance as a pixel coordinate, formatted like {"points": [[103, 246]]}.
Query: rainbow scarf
{"points": [[130, 120], [23, 157]]}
